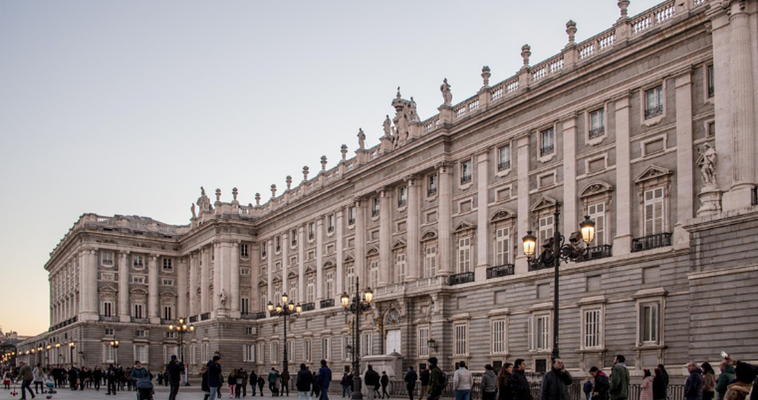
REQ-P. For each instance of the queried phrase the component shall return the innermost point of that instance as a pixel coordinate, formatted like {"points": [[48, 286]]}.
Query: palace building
{"points": [[648, 128]]}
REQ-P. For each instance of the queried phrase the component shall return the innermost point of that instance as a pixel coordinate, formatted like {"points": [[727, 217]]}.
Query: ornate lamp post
{"points": [[553, 252], [355, 307], [182, 328], [283, 311], [114, 344], [71, 346]]}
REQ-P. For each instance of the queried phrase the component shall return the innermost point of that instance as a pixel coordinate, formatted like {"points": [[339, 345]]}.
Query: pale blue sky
{"points": [[129, 107]]}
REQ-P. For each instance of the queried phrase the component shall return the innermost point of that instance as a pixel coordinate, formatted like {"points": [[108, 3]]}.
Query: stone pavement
{"points": [[161, 393]]}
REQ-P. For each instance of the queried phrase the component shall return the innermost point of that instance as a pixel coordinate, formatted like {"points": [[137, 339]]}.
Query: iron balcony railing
{"points": [[597, 132], [432, 191], [504, 165], [547, 149], [465, 179], [327, 303], [654, 111], [193, 318], [205, 316], [597, 252], [258, 315], [500, 270], [463, 277], [309, 306], [651, 242]]}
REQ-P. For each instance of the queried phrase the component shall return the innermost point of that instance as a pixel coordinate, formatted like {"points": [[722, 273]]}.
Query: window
{"points": [[460, 344], [310, 292], [597, 123], [137, 262], [167, 282], [499, 336], [107, 258], [596, 213], [541, 332], [139, 333], [711, 128], [259, 352], [431, 188], [108, 331], [330, 285], [167, 265], [138, 311], [170, 335], [263, 250], [400, 268], [654, 211], [248, 353], [367, 344], [167, 312], [346, 341], [264, 302], [422, 346], [375, 204], [430, 261], [546, 231], [109, 353], [274, 352], [291, 351], [326, 348], [402, 196], [244, 305], [351, 215], [592, 328], [107, 309], [374, 274], [330, 223], [649, 323], [502, 246], [350, 278], [293, 237], [711, 82], [654, 102], [307, 351], [244, 250], [547, 142], [140, 353], [248, 330], [244, 271], [504, 157], [464, 254], [311, 230], [278, 244], [466, 172]]}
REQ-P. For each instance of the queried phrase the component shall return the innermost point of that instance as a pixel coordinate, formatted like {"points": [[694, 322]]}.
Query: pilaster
{"points": [[218, 284], [445, 223], [152, 290], [482, 225], [569, 175], [123, 287], [360, 240], [205, 263], [193, 283], [622, 243], [182, 273], [270, 270], [385, 238], [235, 279], [339, 219], [521, 265], [319, 255], [685, 185], [286, 266], [412, 257], [301, 263]]}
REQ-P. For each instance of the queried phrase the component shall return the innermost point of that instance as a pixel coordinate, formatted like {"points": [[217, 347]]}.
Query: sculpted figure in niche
{"points": [[708, 165], [447, 96], [361, 139], [222, 296]]}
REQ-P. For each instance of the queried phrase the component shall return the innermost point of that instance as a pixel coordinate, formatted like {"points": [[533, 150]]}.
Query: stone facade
{"points": [[617, 127]]}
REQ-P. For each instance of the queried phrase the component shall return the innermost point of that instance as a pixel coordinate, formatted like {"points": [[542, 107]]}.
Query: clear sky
{"points": [[128, 107]]}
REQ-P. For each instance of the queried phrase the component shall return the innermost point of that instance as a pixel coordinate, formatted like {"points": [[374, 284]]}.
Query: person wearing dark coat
{"points": [[555, 383], [253, 378], [505, 383], [303, 383], [693, 386], [659, 386], [174, 371], [261, 384], [324, 379], [204, 383], [520, 387], [410, 381], [602, 384], [214, 376]]}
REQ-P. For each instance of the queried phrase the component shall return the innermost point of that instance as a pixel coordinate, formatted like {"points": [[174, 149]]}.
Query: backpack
{"points": [[443, 379]]}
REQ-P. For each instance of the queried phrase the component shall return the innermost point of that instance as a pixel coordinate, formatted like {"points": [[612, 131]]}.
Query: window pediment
{"points": [[328, 264], [502, 215], [349, 259], [291, 275], [652, 172], [399, 244], [138, 291], [429, 235], [463, 226], [544, 203], [595, 188], [107, 289], [372, 252], [168, 293]]}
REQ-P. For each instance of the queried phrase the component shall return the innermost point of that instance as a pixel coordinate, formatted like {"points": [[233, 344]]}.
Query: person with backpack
{"points": [[437, 380], [110, 376], [303, 383], [371, 378], [410, 381], [424, 378], [385, 381]]}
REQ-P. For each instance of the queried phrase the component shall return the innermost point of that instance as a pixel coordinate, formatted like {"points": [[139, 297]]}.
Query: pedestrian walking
{"points": [[111, 375], [646, 387], [204, 382], [372, 379], [253, 379], [659, 385], [619, 389], [709, 381], [410, 381], [602, 385], [232, 382], [437, 379], [489, 383], [285, 382], [587, 388], [272, 377], [385, 381], [214, 377], [505, 382], [243, 382], [39, 378], [520, 387], [261, 383], [303, 383], [693, 386], [424, 376], [463, 381], [324, 378], [346, 383], [174, 371], [25, 375], [555, 383]]}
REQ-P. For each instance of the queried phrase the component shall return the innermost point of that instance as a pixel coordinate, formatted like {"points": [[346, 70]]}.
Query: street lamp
{"points": [[114, 345], [182, 328], [555, 250], [355, 307], [71, 346], [283, 311]]}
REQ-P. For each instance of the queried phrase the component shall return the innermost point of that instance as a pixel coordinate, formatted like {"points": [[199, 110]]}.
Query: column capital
{"points": [[444, 167], [683, 76], [410, 179], [622, 99], [734, 7], [124, 253]]}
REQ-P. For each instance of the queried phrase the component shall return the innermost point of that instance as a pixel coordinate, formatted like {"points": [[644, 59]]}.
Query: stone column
{"points": [[360, 241], [182, 273], [301, 264], [340, 245], [192, 284], [622, 243], [482, 223], [285, 266], [235, 279], [88, 286], [743, 108], [413, 265], [569, 223], [152, 290], [385, 238], [445, 224], [205, 265], [123, 287], [218, 283], [270, 257], [319, 255], [685, 185], [524, 216]]}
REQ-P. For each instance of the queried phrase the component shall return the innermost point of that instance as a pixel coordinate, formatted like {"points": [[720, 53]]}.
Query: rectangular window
{"points": [[170, 335], [464, 254], [592, 329], [167, 282], [137, 262], [547, 142], [107, 258], [649, 323], [351, 215], [139, 333], [374, 274], [430, 261], [504, 157], [307, 349], [502, 246], [542, 332], [330, 223], [138, 311], [248, 330], [711, 82], [107, 309], [597, 123], [274, 352], [654, 102], [167, 265], [466, 172], [109, 353], [350, 278], [140, 353], [402, 196], [108, 331], [460, 344], [244, 305], [375, 204], [431, 189], [259, 352], [654, 212], [422, 347], [546, 231], [293, 238], [278, 244], [326, 348], [330, 285], [367, 344], [346, 341], [244, 271], [167, 312], [400, 268], [244, 250], [498, 336], [291, 351], [596, 213], [310, 289], [248, 353]]}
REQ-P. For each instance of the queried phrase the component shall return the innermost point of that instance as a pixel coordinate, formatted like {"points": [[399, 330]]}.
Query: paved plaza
{"points": [[161, 393]]}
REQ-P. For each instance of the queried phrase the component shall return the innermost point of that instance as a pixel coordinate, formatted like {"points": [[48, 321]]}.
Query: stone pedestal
{"points": [[392, 363], [710, 201]]}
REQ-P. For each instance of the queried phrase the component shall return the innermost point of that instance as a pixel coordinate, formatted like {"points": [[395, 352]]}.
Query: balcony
{"points": [[327, 303], [547, 149], [205, 316], [351, 221], [597, 132], [258, 315], [504, 165], [109, 318], [461, 278], [193, 319], [465, 179], [309, 306], [140, 320], [594, 253], [500, 270], [651, 242], [432, 191], [654, 111]]}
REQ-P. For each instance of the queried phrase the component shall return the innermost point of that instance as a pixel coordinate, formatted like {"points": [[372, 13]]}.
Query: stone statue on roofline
{"points": [[388, 127], [203, 202], [447, 95], [361, 139]]}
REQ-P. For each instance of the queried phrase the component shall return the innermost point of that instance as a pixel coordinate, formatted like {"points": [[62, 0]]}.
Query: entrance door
{"points": [[393, 341]]}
